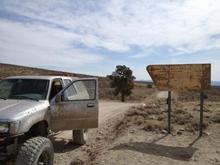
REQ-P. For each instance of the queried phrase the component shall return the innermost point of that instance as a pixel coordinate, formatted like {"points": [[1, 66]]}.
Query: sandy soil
{"points": [[64, 149], [110, 109], [138, 136], [148, 148]]}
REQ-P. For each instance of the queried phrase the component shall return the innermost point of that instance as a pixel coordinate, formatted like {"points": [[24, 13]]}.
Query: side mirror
{"points": [[58, 99]]}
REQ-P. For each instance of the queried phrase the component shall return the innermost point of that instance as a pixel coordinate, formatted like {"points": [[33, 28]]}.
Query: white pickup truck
{"points": [[31, 106]]}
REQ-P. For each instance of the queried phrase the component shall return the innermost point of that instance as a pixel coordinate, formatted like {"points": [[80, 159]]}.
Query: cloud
{"points": [[186, 26], [143, 53], [35, 44]]}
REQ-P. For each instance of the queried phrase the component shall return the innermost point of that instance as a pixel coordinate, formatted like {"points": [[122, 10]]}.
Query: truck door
{"points": [[76, 106]]}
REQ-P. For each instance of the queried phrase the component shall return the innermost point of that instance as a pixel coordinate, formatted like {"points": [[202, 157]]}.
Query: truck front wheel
{"points": [[36, 151], [80, 136]]}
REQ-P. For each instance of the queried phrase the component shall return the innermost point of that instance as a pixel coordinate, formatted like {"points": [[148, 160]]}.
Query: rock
{"points": [[206, 133], [215, 160], [77, 162], [98, 138], [195, 159], [179, 132], [153, 117], [164, 131], [84, 148], [100, 132]]}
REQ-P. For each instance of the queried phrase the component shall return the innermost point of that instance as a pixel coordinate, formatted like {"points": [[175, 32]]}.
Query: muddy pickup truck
{"points": [[33, 106]]}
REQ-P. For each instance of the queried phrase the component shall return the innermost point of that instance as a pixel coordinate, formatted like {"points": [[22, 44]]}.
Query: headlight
{"points": [[11, 127], [4, 127], [14, 126]]}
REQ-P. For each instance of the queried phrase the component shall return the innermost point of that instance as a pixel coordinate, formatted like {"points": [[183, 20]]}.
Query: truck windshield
{"points": [[33, 89]]}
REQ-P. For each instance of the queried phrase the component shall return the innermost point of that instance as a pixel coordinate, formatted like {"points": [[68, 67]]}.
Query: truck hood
{"points": [[11, 110]]}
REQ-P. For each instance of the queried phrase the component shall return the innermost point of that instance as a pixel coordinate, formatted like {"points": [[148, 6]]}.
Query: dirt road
{"points": [[64, 149], [109, 109], [138, 136]]}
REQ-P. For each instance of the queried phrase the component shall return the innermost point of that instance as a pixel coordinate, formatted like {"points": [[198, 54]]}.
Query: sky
{"points": [[93, 36]]}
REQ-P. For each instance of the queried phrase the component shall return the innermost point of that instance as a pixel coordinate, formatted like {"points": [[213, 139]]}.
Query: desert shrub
{"points": [[153, 125], [139, 120], [194, 125], [149, 85], [144, 111], [182, 118], [180, 111], [139, 111], [161, 118], [77, 162], [215, 118]]}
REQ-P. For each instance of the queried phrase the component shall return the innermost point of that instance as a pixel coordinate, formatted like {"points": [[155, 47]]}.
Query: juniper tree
{"points": [[123, 81]]}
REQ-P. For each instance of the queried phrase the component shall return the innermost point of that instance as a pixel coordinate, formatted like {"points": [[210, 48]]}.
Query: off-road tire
{"points": [[80, 137], [34, 150]]}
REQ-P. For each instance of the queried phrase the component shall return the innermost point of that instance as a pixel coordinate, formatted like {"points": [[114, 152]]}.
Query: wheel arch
{"points": [[38, 128]]}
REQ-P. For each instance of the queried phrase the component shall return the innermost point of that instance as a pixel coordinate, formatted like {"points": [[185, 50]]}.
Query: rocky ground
{"points": [[139, 136]]}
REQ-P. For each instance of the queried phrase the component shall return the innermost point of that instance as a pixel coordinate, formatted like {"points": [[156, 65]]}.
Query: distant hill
{"points": [[105, 92], [12, 70], [144, 82], [7, 70], [215, 83]]}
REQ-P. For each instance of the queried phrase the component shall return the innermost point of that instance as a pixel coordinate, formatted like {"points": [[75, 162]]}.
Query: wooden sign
{"points": [[181, 77]]}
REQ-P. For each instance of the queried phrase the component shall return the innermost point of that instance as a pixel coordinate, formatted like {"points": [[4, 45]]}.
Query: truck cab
{"points": [[30, 106]]}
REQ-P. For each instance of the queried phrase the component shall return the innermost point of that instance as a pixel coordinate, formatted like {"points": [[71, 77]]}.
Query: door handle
{"points": [[90, 105]]}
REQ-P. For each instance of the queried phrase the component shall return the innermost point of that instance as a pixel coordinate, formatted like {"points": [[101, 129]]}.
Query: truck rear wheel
{"points": [[36, 151], [80, 136]]}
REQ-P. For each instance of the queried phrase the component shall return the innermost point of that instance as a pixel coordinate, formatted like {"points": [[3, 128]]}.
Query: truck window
{"points": [[56, 87], [23, 88], [70, 92], [81, 90], [66, 82]]}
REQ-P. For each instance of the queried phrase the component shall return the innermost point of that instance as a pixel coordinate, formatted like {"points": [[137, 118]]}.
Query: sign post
{"points": [[169, 111], [182, 77], [201, 114]]}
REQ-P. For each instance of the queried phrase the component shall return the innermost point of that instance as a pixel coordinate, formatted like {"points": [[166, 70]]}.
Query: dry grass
{"points": [[194, 125], [149, 118], [154, 125], [153, 116]]}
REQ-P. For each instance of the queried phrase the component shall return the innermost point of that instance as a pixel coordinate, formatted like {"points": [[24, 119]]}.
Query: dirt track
{"points": [[63, 147], [137, 137], [109, 109]]}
